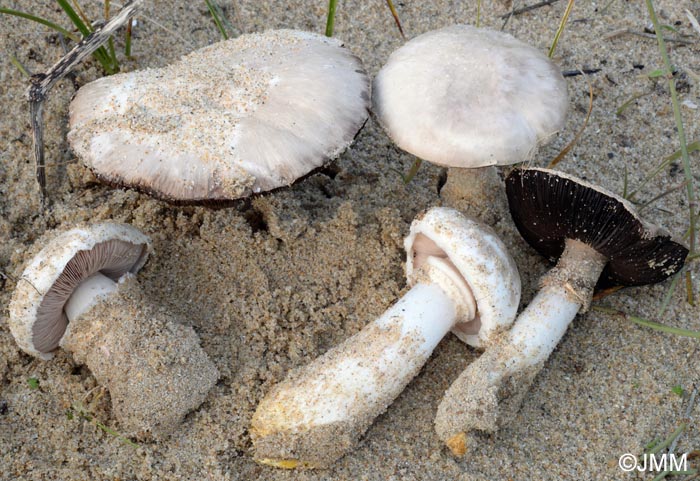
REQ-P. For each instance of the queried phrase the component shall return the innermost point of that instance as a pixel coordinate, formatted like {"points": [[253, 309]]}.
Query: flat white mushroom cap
{"points": [[240, 116], [469, 97], [482, 260], [37, 320]]}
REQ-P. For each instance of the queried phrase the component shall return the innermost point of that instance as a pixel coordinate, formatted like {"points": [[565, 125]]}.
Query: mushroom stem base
{"points": [[478, 192], [488, 394], [87, 294], [155, 370], [317, 414]]}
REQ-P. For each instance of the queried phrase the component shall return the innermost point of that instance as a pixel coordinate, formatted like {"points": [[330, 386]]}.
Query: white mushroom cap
{"points": [[469, 97], [37, 319], [240, 116], [482, 260]]}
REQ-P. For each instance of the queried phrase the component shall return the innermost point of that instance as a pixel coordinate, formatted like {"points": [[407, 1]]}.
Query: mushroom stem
{"points": [[489, 392], [317, 414], [87, 294], [154, 369], [477, 192]]}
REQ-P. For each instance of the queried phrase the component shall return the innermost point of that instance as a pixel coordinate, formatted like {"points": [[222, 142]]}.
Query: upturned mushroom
{"points": [[462, 280], [598, 238], [470, 99], [238, 117], [79, 293]]}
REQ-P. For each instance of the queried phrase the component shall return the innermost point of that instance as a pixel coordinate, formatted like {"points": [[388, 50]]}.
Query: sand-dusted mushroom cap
{"points": [[240, 116], [37, 319], [481, 259], [469, 97], [549, 207]]}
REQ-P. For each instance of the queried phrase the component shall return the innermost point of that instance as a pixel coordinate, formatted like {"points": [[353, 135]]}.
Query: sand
{"points": [[271, 283]]}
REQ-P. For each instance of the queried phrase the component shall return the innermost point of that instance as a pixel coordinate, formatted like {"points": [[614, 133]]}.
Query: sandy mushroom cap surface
{"points": [[469, 97], [37, 320], [240, 116]]}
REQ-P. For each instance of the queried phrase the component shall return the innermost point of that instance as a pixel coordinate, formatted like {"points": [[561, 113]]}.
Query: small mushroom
{"points": [[238, 117], [598, 238], [79, 292], [462, 279], [470, 99]]}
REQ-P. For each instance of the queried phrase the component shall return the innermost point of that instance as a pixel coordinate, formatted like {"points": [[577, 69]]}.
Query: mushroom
{"points": [[462, 279], [238, 117], [597, 237], [79, 292], [470, 99]]}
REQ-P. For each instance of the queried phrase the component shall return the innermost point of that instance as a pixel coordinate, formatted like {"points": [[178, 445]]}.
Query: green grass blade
{"points": [[690, 187], [74, 17], [691, 147], [114, 433], [84, 17], [41, 21], [412, 171], [113, 54], [101, 54], [560, 30], [630, 101], [330, 21], [669, 294], [110, 42], [657, 326], [667, 442], [660, 196], [19, 65], [217, 19]]}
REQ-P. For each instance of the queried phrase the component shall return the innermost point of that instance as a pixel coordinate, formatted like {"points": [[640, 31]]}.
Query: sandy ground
{"points": [[270, 284]]}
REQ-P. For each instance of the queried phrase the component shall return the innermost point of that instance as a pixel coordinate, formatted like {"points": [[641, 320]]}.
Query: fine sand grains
{"points": [[270, 284]]}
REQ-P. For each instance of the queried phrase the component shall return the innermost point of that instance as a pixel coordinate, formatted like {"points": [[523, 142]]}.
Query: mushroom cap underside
{"points": [[549, 207], [37, 320], [469, 97], [482, 260], [238, 117]]}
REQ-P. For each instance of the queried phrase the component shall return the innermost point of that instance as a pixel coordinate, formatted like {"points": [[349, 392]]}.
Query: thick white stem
{"points": [[540, 327], [377, 364], [477, 192], [317, 413], [489, 392], [155, 370], [87, 294]]}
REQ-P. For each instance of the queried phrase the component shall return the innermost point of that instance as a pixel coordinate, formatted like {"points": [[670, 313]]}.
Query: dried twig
{"points": [[395, 14], [527, 8], [578, 135], [576, 73], [627, 31], [41, 84]]}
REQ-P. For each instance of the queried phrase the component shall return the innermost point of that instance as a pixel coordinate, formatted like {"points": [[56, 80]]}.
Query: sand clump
{"points": [[153, 366]]}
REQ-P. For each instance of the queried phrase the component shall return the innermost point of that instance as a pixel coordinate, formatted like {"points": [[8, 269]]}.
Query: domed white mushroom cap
{"points": [[469, 97], [240, 116], [37, 319], [476, 254]]}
